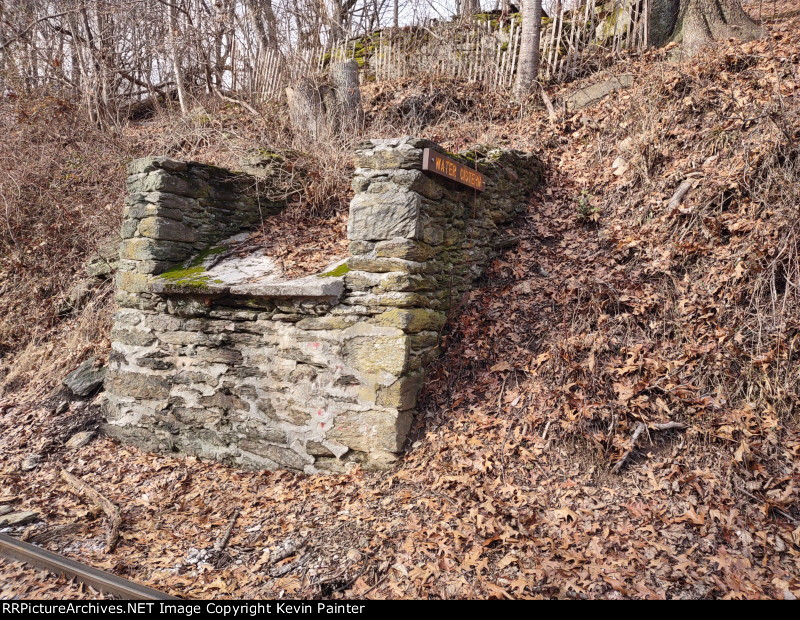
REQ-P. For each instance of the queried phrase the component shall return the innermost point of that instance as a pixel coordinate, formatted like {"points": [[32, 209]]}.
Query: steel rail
{"points": [[19, 551]]}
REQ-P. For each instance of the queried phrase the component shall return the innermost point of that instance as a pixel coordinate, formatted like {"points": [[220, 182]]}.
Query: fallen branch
{"points": [[551, 112], [244, 104], [223, 541], [668, 426], [80, 487], [640, 428], [688, 184], [636, 432], [284, 550], [48, 534]]}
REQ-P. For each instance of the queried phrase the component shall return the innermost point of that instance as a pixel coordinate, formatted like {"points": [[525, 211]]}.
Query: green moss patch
{"points": [[194, 274], [336, 272]]}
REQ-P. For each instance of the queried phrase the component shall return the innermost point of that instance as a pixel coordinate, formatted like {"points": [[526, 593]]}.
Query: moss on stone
{"points": [[200, 258], [336, 272], [193, 275]]}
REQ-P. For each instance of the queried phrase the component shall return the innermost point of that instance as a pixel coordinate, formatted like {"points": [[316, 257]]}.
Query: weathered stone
{"points": [[377, 352], [137, 385], [406, 249], [224, 401], [163, 181], [166, 230], [282, 456], [402, 394], [135, 337], [399, 300], [78, 440], [187, 307], [419, 182], [595, 92], [141, 248], [406, 282], [86, 378], [411, 320], [361, 247], [374, 217], [384, 157], [154, 363], [219, 356], [315, 286], [18, 518], [149, 164], [367, 431], [315, 448], [130, 282], [326, 322], [384, 265]]}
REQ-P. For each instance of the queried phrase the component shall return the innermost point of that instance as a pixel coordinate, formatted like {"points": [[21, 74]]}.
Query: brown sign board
{"points": [[434, 161]]}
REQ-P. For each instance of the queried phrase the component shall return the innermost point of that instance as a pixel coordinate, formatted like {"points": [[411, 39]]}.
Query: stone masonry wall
{"points": [[313, 374], [176, 209]]}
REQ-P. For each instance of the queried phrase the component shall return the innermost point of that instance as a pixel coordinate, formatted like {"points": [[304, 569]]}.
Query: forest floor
{"points": [[619, 307]]}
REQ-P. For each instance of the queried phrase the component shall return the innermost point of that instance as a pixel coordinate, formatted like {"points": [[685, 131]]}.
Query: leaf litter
{"points": [[659, 308]]}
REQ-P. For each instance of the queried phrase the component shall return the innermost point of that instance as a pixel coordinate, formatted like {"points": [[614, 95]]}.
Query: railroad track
{"points": [[19, 551]]}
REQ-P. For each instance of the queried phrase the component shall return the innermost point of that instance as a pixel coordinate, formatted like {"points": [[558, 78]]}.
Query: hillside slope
{"points": [[623, 308]]}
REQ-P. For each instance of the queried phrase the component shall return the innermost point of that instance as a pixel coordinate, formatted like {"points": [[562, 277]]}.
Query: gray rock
{"points": [[78, 440], [375, 217], [19, 518], [319, 373], [166, 230], [137, 385], [314, 286], [105, 261], [31, 462], [594, 93], [86, 378], [5, 509]]}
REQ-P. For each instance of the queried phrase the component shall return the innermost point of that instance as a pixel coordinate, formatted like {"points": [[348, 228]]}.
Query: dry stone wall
{"points": [[311, 374]]}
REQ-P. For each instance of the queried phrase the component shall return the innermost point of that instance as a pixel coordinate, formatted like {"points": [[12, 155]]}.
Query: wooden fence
{"points": [[573, 42]]}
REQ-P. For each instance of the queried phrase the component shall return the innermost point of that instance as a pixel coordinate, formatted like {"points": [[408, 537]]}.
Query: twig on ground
{"points": [[101, 501], [223, 542], [640, 428]]}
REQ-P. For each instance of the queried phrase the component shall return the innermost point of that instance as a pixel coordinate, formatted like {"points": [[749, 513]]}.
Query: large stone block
{"points": [[166, 230], [371, 349], [412, 320], [367, 431], [132, 282], [406, 249], [402, 394], [137, 385], [374, 217], [162, 181], [142, 248]]}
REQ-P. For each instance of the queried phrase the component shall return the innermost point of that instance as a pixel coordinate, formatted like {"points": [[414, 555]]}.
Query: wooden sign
{"points": [[434, 161]]}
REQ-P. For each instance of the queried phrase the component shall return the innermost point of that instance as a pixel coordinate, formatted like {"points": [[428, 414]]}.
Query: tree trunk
{"points": [[177, 57], [349, 113], [661, 21], [307, 109], [528, 68], [319, 111], [466, 8], [700, 22]]}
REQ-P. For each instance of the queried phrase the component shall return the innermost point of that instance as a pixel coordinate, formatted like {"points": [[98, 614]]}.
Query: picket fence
{"points": [[573, 41]]}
